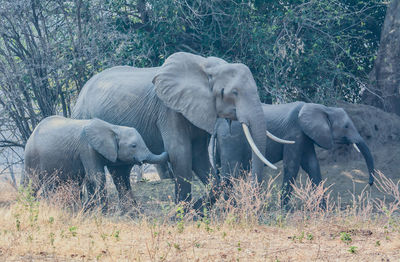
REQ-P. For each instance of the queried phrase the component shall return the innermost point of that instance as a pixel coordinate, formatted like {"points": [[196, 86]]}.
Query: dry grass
{"points": [[249, 225]]}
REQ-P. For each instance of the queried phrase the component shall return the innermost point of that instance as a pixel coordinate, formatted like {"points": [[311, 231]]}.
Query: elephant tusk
{"points": [[356, 147], [211, 155], [254, 147], [279, 140]]}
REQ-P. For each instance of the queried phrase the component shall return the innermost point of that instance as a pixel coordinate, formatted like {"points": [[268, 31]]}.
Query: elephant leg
{"points": [[230, 169], [310, 164], [182, 170], [291, 164], [202, 168], [35, 187], [102, 191], [31, 178], [121, 178], [95, 180], [200, 160], [176, 137]]}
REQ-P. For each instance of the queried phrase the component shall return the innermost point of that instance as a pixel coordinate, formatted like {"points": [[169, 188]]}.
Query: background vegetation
{"points": [[312, 50], [321, 51]]}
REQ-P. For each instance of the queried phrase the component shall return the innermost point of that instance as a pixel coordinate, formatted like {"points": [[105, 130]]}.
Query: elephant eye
{"points": [[133, 145], [346, 126]]}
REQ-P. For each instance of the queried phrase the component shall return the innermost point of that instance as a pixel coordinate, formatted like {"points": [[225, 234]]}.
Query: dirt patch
{"points": [[97, 240]]}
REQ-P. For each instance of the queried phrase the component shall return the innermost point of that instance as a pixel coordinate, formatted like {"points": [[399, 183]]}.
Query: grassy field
{"points": [[249, 226]]}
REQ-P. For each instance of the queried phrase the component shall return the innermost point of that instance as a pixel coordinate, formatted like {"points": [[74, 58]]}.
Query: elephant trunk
{"points": [[368, 159], [157, 159], [253, 123]]}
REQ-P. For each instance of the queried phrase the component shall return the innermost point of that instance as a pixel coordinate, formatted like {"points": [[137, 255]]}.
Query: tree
{"points": [[384, 92], [310, 50]]}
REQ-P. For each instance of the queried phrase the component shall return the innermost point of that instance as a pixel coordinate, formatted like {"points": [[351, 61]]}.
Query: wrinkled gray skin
{"points": [[78, 150], [306, 124], [175, 107]]}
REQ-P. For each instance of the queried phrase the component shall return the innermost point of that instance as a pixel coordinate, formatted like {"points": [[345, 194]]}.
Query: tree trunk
{"points": [[385, 76]]}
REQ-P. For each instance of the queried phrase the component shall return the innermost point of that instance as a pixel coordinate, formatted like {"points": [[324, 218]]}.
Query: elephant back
{"points": [[125, 96], [282, 117]]}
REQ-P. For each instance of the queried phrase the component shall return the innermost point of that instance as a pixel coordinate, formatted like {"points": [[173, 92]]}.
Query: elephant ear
{"points": [[314, 121], [183, 84], [101, 136]]}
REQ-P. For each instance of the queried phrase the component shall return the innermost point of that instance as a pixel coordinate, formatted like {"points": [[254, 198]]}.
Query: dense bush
{"points": [[315, 50]]}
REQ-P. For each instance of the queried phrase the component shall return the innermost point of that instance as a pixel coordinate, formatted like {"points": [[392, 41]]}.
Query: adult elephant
{"points": [[306, 124], [174, 107]]}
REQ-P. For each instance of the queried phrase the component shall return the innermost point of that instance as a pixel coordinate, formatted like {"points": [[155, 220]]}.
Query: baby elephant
{"points": [[305, 123], [77, 151]]}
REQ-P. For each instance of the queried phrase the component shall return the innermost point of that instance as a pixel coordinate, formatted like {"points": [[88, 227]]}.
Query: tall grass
{"points": [[247, 223]]}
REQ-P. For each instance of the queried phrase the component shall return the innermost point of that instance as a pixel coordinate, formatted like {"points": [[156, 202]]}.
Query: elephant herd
{"points": [[126, 116]]}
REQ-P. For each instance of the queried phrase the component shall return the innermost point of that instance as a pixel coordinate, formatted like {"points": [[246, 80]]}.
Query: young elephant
{"points": [[78, 150], [306, 124]]}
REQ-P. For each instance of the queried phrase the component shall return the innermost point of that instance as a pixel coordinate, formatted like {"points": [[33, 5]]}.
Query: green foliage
{"points": [[317, 51], [73, 230], [52, 238], [27, 203], [352, 249], [310, 236], [116, 235], [177, 246], [301, 237], [280, 220], [17, 222], [26, 212], [180, 216], [345, 237], [206, 220]]}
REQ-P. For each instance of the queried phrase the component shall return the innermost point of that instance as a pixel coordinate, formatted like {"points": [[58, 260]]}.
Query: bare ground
{"points": [[31, 231]]}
